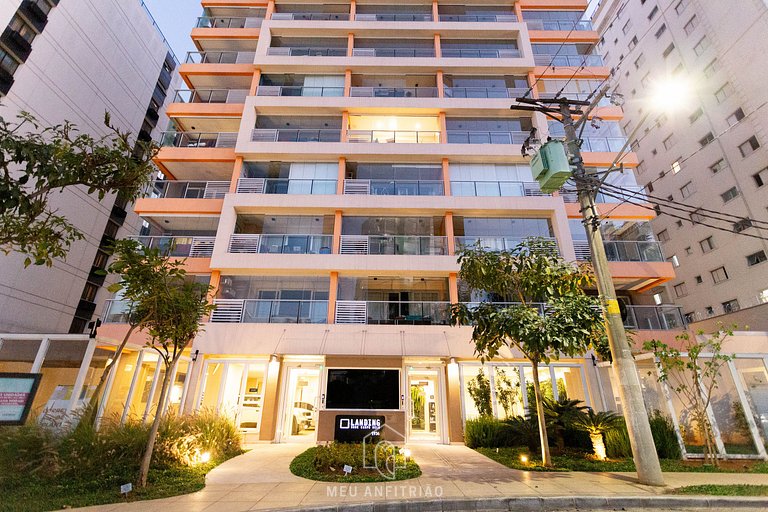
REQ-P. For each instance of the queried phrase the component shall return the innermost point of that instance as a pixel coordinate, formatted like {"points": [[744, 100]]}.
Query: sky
{"points": [[176, 18]]}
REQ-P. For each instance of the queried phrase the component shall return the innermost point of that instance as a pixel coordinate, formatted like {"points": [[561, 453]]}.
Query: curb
{"points": [[546, 504]]}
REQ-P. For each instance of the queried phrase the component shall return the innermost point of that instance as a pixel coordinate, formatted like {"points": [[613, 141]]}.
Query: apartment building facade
{"points": [[712, 153], [323, 164], [73, 61]]}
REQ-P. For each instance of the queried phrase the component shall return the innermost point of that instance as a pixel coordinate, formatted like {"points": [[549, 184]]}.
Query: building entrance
{"points": [[302, 392], [425, 405]]}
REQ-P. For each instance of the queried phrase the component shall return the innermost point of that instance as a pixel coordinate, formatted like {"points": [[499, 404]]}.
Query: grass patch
{"points": [[326, 463], [723, 490], [579, 461]]}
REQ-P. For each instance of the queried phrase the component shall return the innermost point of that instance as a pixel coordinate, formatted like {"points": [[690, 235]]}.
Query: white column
{"points": [[152, 390], [132, 388], [747, 408], [84, 366], [40, 357], [107, 390]]}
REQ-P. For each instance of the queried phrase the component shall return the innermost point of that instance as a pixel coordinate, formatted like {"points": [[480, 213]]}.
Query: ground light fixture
{"points": [[205, 457], [524, 459], [406, 452]]}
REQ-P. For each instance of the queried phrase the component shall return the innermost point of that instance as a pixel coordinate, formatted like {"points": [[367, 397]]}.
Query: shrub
{"points": [[664, 436], [488, 432], [526, 432], [617, 444]]}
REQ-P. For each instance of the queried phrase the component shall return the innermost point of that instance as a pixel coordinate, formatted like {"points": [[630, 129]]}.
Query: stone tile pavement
{"points": [[261, 480]]}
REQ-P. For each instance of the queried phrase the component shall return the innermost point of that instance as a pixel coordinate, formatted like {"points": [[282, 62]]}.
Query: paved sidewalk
{"points": [[261, 480]]}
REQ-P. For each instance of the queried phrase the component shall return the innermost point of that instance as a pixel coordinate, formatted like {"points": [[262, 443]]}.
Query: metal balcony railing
{"points": [[270, 311], [558, 25], [393, 52], [484, 92], [394, 187], [413, 245], [483, 18], [393, 17], [622, 250], [491, 243], [298, 90], [496, 188], [479, 53], [189, 189], [198, 139], [393, 92], [285, 186], [248, 243], [307, 51], [392, 312], [210, 96], [310, 16], [298, 135], [228, 22], [545, 59], [227, 57], [479, 137], [394, 136], [180, 246]]}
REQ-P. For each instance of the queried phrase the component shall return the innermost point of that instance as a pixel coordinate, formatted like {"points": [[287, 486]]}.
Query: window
{"points": [[639, 61], [676, 166], [755, 258], [711, 68], [661, 30], [678, 69], [691, 25], [762, 297], [730, 306], [633, 42], [663, 236], [696, 115], [679, 224], [21, 27], [749, 146], [649, 188], [626, 27], [722, 93], [706, 139], [688, 250], [707, 245], [653, 13], [674, 261], [701, 46], [646, 80], [690, 317], [698, 279], [669, 141], [697, 218], [687, 190], [718, 166], [709, 310], [729, 194], [761, 177], [734, 118], [719, 275], [680, 290], [8, 63], [680, 7], [741, 225], [641, 167], [669, 50]]}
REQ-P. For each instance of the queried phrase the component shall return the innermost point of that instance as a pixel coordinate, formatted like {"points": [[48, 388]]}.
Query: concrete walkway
{"points": [[261, 480]]}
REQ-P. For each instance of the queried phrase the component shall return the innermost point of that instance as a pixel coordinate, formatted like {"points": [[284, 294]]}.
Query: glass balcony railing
{"points": [[603, 144], [471, 53], [392, 312], [311, 16], [558, 25], [180, 246], [393, 17], [210, 96], [285, 186], [198, 139], [581, 96], [265, 311], [298, 90], [479, 137], [228, 57], [248, 243], [393, 92], [622, 250], [628, 193], [299, 135], [116, 311], [307, 51], [396, 137], [493, 243], [662, 317], [189, 189], [496, 189], [227, 22], [567, 60], [484, 92], [393, 52], [394, 187], [412, 245], [482, 18]]}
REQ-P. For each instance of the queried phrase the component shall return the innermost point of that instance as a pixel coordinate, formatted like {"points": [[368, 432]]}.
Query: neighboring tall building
{"points": [[323, 168], [74, 61], [713, 155]]}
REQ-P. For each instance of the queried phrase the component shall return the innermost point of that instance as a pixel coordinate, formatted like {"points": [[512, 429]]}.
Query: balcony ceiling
{"points": [[217, 81], [211, 44], [185, 223], [208, 124], [202, 171]]}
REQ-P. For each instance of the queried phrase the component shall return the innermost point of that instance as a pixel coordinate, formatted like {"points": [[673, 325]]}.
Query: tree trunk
{"points": [[147, 458], [546, 459]]}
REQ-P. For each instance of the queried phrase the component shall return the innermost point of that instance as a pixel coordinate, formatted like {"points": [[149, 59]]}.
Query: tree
{"points": [[692, 373], [479, 390], [596, 424], [144, 272], [552, 317], [36, 162], [506, 392], [178, 312]]}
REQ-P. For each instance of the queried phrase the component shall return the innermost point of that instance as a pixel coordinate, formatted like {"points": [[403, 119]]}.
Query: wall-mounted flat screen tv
{"points": [[356, 388]]}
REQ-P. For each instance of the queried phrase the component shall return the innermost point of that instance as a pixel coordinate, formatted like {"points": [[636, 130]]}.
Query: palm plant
{"points": [[596, 424], [560, 415]]}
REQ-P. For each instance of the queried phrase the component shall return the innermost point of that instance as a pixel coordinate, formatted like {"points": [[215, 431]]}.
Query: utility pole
{"points": [[624, 369]]}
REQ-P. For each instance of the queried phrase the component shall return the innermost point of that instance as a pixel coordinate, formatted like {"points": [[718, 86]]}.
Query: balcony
{"points": [[394, 136], [496, 189], [299, 135], [210, 96], [392, 312], [479, 18], [393, 187], [270, 311], [567, 60], [116, 311], [491, 243], [562, 25], [297, 90], [628, 193], [179, 246], [251, 243], [226, 22], [285, 186], [602, 144], [392, 17], [393, 52], [483, 92], [412, 245], [393, 92], [189, 189], [198, 139], [307, 51], [483, 137], [228, 57], [655, 318], [622, 250], [479, 53]]}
